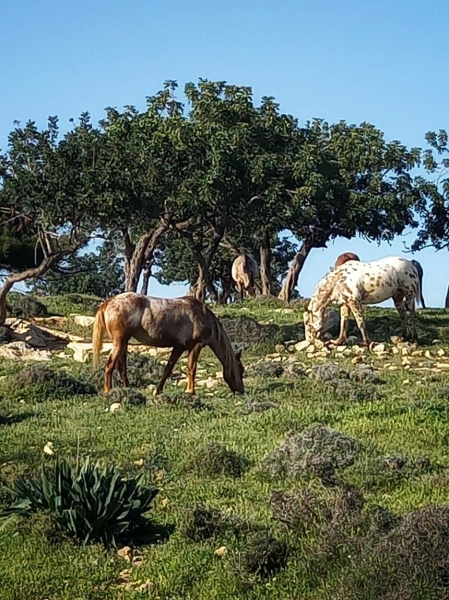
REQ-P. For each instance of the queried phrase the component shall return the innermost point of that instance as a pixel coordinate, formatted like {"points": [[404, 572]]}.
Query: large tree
{"points": [[353, 183], [99, 273], [52, 183]]}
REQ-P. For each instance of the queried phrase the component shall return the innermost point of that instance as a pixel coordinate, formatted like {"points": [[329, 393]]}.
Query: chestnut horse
{"points": [[184, 324], [344, 258], [244, 272]]}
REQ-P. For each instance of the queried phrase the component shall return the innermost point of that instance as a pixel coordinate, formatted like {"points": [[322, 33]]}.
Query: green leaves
{"points": [[93, 505]]}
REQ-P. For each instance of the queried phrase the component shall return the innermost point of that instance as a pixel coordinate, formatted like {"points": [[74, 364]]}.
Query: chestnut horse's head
{"points": [[233, 373]]}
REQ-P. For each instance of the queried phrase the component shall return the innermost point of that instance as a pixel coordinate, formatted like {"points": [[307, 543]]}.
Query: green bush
{"points": [[42, 382], [93, 505], [68, 304], [23, 305]]}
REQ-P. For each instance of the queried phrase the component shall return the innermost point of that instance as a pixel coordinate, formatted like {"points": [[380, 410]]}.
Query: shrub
{"points": [[43, 382], [214, 459], [23, 305], [263, 555], [317, 450], [203, 523], [93, 505], [142, 370]]}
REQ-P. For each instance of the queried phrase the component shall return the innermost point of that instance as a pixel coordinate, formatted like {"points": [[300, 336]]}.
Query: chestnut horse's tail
{"points": [[98, 335]]}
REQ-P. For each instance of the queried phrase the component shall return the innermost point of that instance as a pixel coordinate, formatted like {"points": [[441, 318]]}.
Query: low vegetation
{"points": [[327, 481]]}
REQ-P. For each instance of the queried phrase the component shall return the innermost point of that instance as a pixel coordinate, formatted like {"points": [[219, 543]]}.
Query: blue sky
{"points": [[382, 62]]}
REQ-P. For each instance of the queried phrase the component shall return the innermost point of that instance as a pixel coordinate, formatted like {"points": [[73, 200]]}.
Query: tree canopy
{"points": [[185, 187]]}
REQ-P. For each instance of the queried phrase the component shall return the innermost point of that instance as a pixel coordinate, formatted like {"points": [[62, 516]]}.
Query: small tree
{"points": [[354, 183]]}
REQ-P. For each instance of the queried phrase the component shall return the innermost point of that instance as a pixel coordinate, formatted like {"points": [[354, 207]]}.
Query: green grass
{"points": [[402, 420]]}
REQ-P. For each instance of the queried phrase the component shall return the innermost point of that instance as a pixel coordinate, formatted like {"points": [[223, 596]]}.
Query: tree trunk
{"points": [[446, 303], [146, 278], [291, 281], [265, 265], [38, 271], [136, 256]]}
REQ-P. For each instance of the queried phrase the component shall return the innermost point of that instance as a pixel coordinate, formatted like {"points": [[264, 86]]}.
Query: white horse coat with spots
{"points": [[355, 284]]}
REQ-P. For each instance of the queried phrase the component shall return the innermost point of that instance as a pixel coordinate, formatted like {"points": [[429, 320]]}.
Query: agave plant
{"points": [[94, 505]]}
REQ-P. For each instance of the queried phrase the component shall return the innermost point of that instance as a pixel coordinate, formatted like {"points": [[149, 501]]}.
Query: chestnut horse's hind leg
{"points": [[121, 365], [174, 357], [191, 368], [119, 348]]}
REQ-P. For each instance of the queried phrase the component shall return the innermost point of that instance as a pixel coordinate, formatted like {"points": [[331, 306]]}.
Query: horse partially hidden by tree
{"points": [[355, 284], [346, 256], [343, 258], [244, 272], [184, 324]]}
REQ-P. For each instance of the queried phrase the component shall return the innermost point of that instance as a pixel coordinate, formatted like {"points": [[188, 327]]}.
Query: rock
{"points": [[115, 406], [126, 553], [406, 362], [318, 344], [378, 348], [352, 340], [49, 449], [442, 366], [82, 350], [279, 348], [22, 351], [301, 346], [221, 551], [427, 354], [339, 349], [395, 339], [84, 320], [441, 352]]}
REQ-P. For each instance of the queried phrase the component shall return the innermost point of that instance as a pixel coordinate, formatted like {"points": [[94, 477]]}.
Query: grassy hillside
{"points": [[327, 480]]}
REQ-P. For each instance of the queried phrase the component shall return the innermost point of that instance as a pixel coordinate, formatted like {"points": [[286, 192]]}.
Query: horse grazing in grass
{"points": [[355, 284], [343, 258], [184, 324], [244, 272]]}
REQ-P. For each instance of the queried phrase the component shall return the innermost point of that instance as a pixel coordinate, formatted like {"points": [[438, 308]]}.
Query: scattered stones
{"points": [[221, 551], [23, 351], [126, 553]]}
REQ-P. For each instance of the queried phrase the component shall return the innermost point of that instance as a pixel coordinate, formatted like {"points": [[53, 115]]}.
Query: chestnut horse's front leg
{"points": [[174, 357], [191, 368]]}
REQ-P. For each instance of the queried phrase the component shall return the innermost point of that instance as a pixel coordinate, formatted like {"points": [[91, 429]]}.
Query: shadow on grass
{"points": [[149, 534], [13, 419]]}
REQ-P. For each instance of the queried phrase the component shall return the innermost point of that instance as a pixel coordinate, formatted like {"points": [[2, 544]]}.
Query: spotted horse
{"points": [[356, 284]]}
